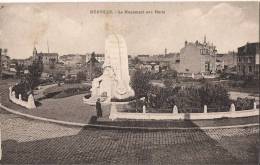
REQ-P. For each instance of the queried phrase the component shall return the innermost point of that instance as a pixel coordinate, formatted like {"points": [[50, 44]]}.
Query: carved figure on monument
{"points": [[114, 82]]}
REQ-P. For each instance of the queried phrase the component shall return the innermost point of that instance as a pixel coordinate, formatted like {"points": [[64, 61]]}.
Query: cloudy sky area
{"points": [[70, 28]]}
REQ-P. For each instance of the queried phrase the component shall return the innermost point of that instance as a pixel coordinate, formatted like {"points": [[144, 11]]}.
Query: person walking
{"points": [[98, 108]]}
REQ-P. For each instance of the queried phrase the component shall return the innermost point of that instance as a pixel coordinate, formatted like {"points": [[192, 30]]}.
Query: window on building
{"points": [[239, 59], [250, 59], [250, 69], [245, 59], [243, 69], [207, 66], [204, 51]]}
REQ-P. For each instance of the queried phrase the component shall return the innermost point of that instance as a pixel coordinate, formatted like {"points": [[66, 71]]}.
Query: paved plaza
{"points": [[31, 141]]}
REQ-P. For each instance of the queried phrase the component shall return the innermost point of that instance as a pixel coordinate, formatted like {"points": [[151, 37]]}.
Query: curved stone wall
{"points": [[27, 104]]}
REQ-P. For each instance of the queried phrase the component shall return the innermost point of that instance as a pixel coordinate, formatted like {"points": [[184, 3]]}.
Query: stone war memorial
{"points": [[114, 82]]}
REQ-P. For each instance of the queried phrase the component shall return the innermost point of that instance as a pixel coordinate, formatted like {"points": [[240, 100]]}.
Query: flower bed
{"points": [[129, 99], [66, 91], [22, 89], [29, 103]]}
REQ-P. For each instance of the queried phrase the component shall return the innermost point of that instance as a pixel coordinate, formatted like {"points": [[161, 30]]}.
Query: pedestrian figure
{"points": [[98, 108]]}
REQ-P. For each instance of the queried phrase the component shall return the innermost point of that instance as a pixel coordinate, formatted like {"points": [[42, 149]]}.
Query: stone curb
{"points": [[118, 127]]}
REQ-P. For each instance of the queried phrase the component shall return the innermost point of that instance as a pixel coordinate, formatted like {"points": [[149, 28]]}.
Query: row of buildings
{"points": [[67, 65], [71, 60], [203, 58], [49, 59], [195, 57]]}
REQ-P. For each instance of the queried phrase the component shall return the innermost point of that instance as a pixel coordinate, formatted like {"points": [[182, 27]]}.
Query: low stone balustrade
{"points": [[28, 104], [232, 113]]}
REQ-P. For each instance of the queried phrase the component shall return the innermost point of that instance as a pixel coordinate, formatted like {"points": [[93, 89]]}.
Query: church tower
{"points": [[34, 52], [205, 40], [35, 57]]}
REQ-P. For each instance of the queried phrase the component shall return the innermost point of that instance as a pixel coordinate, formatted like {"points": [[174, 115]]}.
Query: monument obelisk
{"points": [[115, 80]]}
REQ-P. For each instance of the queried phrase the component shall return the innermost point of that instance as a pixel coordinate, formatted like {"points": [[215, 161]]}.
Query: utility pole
{"points": [[48, 46]]}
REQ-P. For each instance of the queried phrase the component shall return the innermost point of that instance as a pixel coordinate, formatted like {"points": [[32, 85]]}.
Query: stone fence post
{"points": [[10, 91], [254, 105], [144, 109], [175, 110], [30, 102], [13, 94], [205, 109], [192, 76], [232, 108]]}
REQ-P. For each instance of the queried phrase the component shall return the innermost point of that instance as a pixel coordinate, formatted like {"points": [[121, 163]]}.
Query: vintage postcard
{"points": [[129, 83]]}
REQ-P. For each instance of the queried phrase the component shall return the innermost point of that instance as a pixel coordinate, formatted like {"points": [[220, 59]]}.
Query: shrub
{"points": [[81, 76], [72, 81], [87, 96], [169, 74], [61, 92], [189, 99], [35, 71], [162, 97], [124, 100], [135, 105], [22, 88], [168, 82], [156, 97], [51, 95], [140, 83], [71, 92], [214, 95], [244, 103], [44, 82]]}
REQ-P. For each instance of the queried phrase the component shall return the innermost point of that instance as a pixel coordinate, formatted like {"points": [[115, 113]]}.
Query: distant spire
{"points": [[34, 51], [205, 40]]}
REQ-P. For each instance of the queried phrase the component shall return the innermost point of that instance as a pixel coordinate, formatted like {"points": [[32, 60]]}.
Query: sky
{"points": [[71, 28]]}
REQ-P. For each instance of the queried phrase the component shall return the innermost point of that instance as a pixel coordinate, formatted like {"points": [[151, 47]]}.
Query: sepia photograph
{"points": [[130, 83]]}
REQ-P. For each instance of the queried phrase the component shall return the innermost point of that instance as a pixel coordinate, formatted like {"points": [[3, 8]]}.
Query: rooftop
{"points": [[48, 54]]}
